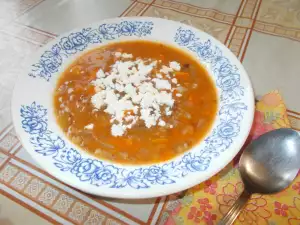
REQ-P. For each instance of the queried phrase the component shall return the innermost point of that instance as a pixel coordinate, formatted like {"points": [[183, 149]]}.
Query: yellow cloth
{"points": [[209, 201]]}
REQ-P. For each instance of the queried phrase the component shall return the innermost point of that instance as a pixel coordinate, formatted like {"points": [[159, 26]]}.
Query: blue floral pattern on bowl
{"points": [[100, 173], [51, 60]]}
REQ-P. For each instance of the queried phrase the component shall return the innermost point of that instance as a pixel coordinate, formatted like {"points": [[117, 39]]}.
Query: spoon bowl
{"points": [[271, 162], [268, 165]]}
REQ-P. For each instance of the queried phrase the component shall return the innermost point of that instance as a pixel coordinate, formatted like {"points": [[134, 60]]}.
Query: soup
{"points": [[135, 102]]}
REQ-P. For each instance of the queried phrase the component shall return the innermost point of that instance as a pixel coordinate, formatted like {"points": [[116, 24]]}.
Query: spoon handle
{"points": [[235, 209]]}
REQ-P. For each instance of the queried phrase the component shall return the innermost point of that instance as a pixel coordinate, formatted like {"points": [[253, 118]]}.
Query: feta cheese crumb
{"points": [[162, 84], [162, 123], [117, 130], [127, 56], [98, 100], [70, 90], [166, 69], [168, 112], [118, 54], [175, 65], [158, 75], [89, 126], [100, 73], [97, 89]]}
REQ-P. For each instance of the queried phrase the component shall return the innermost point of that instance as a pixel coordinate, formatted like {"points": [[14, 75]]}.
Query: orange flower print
{"points": [[254, 213], [274, 110], [296, 187], [202, 213], [204, 204], [195, 214], [293, 221], [259, 126], [210, 187], [281, 209], [209, 218], [294, 212]]}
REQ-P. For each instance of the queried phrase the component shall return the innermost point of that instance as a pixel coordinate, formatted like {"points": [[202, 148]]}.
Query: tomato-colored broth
{"points": [[192, 117]]}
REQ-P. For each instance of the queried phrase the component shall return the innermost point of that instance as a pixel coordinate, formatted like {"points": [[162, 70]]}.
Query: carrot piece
{"points": [[160, 140], [121, 141], [183, 119], [75, 70], [166, 155], [181, 74], [191, 98], [92, 76], [129, 141], [128, 112], [175, 91], [91, 90], [78, 89]]}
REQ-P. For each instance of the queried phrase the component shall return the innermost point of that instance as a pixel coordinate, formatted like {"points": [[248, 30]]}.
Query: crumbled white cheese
{"points": [[162, 123], [165, 98], [117, 130], [175, 65], [100, 73], [70, 90], [98, 99], [97, 89], [127, 56], [158, 75], [168, 111], [162, 84], [166, 69], [178, 95], [174, 81], [89, 126], [129, 93], [118, 54]]}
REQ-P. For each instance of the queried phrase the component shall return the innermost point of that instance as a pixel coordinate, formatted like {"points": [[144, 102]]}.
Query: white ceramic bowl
{"points": [[34, 118]]}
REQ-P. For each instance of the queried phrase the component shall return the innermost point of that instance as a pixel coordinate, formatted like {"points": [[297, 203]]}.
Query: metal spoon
{"points": [[268, 165]]}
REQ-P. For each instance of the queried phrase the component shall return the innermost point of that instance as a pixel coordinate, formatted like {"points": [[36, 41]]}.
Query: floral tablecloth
{"points": [[263, 34], [207, 202]]}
